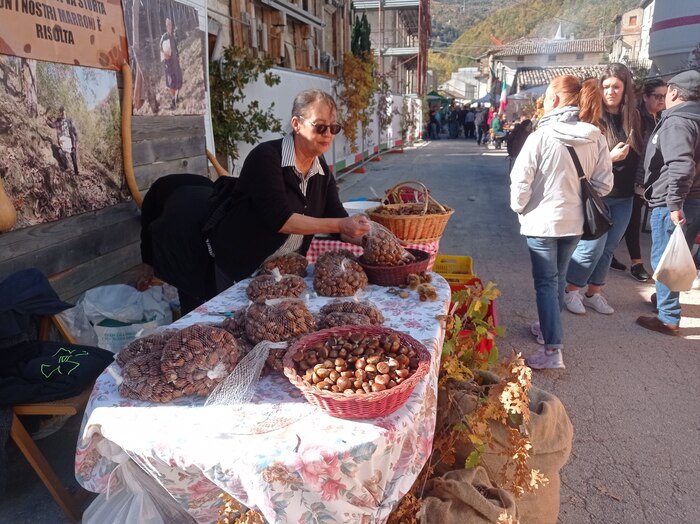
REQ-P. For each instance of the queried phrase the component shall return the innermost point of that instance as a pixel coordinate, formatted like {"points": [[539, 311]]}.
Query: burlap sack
{"points": [[465, 496], [551, 435]]}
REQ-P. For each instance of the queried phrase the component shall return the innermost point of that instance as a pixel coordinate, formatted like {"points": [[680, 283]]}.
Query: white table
{"points": [[278, 453]]}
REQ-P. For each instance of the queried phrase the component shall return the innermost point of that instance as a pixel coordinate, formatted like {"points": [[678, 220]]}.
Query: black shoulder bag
{"points": [[596, 217]]}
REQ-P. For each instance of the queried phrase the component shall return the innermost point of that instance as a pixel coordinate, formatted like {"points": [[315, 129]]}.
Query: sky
{"points": [[96, 84]]}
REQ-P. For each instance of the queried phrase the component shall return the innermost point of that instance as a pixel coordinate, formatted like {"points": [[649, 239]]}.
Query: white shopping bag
{"points": [[676, 269], [111, 317]]}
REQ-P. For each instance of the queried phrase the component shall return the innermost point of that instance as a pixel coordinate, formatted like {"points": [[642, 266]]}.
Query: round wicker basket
{"points": [[395, 275], [405, 213], [371, 405]]}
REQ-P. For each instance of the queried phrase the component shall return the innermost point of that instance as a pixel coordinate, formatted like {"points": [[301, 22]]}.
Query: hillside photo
{"points": [[167, 57], [60, 144]]}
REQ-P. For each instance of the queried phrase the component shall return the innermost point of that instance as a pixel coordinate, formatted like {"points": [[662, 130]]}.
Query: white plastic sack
{"points": [[133, 497], [676, 269], [111, 317]]}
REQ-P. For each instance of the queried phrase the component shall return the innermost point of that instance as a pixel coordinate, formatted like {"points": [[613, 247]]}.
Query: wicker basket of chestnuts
{"points": [[357, 372]]}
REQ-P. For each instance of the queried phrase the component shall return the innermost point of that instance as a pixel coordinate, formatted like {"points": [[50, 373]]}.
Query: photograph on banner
{"points": [[167, 57], [76, 32], [60, 139]]}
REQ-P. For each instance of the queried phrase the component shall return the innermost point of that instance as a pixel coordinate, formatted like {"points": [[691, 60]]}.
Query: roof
{"points": [[527, 77], [546, 46]]}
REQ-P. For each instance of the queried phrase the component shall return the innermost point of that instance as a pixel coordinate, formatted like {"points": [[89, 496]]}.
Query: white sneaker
{"points": [[696, 282], [598, 303], [546, 359], [574, 302], [537, 332]]}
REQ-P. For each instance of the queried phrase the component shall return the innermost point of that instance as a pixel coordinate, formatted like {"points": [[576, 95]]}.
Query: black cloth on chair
{"points": [[32, 371], [23, 294], [46, 371]]}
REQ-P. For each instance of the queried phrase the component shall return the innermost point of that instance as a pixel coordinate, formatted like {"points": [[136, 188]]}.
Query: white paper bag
{"points": [[676, 269]]}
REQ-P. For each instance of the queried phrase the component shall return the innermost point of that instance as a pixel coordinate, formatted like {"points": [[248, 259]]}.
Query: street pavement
{"points": [[632, 395]]}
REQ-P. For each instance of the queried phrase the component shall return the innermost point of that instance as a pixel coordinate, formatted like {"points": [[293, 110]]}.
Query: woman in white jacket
{"points": [[546, 194]]}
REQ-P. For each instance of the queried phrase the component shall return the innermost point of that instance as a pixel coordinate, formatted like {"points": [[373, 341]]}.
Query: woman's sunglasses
{"points": [[321, 128], [658, 97]]}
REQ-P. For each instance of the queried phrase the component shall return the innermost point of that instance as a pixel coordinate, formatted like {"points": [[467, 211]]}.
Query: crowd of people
{"points": [[630, 152], [482, 124]]}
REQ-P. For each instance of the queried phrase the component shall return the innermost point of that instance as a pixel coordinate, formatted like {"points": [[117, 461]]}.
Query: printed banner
{"points": [[60, 139], [78, 32], [168, 57]]}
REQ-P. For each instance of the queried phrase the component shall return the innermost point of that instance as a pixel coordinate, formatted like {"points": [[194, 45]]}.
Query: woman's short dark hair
{"points": [[307, 98], [652, 85]]}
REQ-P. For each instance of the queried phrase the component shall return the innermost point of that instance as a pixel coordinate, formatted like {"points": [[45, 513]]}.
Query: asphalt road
{"points": [[632, 395]]}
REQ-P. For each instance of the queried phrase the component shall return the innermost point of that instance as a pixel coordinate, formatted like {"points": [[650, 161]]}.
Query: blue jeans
{"points": [[590, 262], [667, 301], [550, 257]]}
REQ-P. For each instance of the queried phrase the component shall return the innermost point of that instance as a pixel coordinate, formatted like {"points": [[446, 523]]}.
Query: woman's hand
{"points": [[354, 226], [619, 152]]}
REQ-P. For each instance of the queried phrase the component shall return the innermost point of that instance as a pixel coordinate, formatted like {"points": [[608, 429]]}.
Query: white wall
{"points": [[340, 155]]}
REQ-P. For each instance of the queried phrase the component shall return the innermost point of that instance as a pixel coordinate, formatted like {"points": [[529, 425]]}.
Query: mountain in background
{"points": [[450, 18], [508, 20]]}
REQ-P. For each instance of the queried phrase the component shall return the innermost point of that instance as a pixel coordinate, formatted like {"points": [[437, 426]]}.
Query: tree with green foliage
{"points": [[232, 122], [360, 39]]}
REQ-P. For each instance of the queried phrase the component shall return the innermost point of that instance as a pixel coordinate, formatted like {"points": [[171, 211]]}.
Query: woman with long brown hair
{"points": [[590, 263], [545, 192]]}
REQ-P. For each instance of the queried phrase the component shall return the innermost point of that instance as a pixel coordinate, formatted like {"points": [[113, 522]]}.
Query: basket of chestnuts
{"points": [[357, 372]]}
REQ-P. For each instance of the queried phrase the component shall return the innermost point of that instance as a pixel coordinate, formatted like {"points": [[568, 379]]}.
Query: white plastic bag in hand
{"points": [[676, 269]]}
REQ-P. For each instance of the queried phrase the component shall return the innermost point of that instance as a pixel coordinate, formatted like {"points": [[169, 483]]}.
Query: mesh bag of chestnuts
{"points": [[338, 274], [289, 264], [198, 358], [269, 325], [148, 344], [338, 318], [382, 248], [360, 307], [275, 285], [142, 379], [278, 320], [235, 324]]}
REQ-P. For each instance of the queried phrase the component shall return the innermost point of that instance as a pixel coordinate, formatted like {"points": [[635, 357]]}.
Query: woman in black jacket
{"points": [[285, 194], [650, 107]]}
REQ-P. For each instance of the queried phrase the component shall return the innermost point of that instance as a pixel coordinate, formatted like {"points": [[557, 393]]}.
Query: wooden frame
{"points": [[70, 503]]}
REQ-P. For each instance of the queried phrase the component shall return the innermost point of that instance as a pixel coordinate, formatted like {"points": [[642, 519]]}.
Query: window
{"points": [[580, 56], [552, 58], [520, 58], [633, 20]]}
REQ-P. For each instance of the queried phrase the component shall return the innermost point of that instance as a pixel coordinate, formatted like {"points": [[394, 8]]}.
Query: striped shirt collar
{"points": [[288, 158]]}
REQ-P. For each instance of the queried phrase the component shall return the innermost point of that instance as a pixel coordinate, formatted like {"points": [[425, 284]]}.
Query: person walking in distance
{"points": [[672, 181], [170, 58], [481, 127], [545, 192], [67, 137], [650, 107], [469, 124]]}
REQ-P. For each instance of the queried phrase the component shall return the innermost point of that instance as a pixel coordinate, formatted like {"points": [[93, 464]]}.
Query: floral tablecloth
{"points": [[277, 453]]}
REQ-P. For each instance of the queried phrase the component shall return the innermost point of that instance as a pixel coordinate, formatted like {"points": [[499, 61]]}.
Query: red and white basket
{"points": [[371, 405]]}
